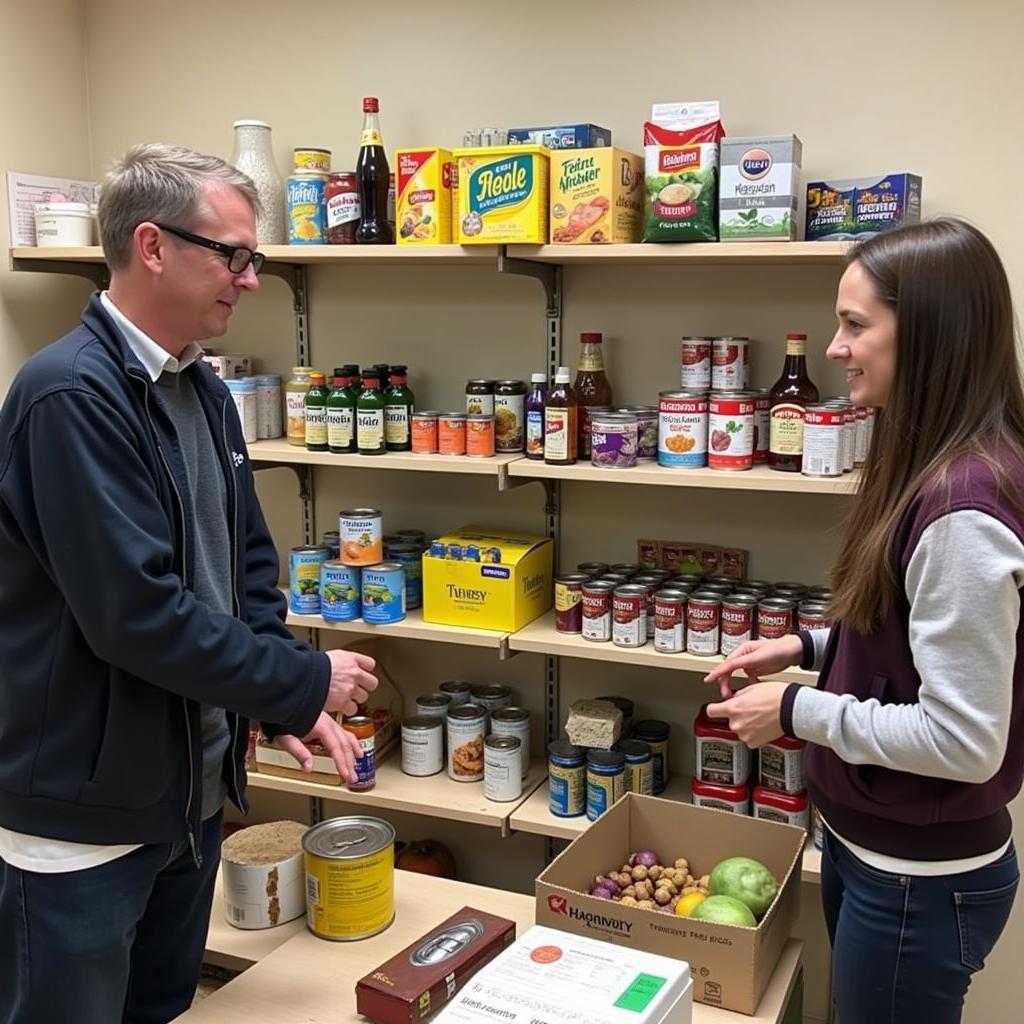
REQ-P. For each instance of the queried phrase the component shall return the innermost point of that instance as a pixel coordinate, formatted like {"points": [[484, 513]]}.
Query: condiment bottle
{"points": [[535, 416], [790, 396], [372, 178], [560, 412], [370, 416], [295, 400], [341, 414], [592, 387], [316, 413], [399, 405]]}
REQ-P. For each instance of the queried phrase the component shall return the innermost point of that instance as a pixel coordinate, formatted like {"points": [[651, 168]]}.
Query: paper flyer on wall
{"points": [[25, 190]]}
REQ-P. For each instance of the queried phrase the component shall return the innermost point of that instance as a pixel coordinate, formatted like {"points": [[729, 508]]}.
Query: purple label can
{"points": [[614, 437]]}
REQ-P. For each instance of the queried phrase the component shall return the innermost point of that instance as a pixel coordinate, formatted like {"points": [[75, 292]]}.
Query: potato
{"points": [[644, 890], [647, 905], [662, 897], [624, 878], [639, 873], [682, 864], [626, 868], [687, 889], [704, 880], [628, 901], [654, 872], [630, 890]]}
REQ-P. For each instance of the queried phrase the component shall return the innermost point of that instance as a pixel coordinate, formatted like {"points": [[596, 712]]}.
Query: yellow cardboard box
{"points": [[502, 195], [491, 579], [423, 214], [597, 196]]}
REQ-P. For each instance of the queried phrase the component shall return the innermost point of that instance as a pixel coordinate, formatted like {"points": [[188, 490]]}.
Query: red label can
{"points": [[569, 602], [775, 617], [813, 615], [629, 615], [703, 622], [731, 430], [670, 621], [739, 612], [596, 606], [762, 426], [730, 364], [824, 447], [696, 368]]}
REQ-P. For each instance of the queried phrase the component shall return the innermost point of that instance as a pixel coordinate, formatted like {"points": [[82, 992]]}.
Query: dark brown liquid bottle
{"points": [[372, 178], [591, 387], [560, 424], [790, 396]]}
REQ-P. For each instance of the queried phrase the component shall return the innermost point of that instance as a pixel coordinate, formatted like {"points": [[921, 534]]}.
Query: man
{"points": [[138, 600]]}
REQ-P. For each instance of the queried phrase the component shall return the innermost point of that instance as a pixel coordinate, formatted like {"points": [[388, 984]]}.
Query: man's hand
{"points": [[352, 681], [343, 747], [753, 713]]}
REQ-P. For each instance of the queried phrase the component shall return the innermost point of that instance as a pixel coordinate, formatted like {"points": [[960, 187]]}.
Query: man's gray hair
{"points": [[163, 184]]}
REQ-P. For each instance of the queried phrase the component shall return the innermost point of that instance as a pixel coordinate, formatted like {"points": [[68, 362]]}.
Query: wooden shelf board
{"points": [[434, 797], [541, 637], [693, 253]]}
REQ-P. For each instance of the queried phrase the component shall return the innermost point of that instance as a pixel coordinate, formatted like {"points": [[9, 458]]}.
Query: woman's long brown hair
{"points": [[956, 390]]}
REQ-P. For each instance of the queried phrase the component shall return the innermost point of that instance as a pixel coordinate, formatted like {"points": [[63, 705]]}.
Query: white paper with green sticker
{"points": [[567, 979]]}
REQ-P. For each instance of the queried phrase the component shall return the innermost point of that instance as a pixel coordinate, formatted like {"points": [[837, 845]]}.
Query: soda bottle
{"points": [[372, 180]]}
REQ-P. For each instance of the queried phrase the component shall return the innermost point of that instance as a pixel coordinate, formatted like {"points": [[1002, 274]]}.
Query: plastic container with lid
{"points": [[721, 756], [63, 224], [567, 779], [655, 733], [787, 808], [243, 392], [781, 765], [606, 780], [735, 799]]}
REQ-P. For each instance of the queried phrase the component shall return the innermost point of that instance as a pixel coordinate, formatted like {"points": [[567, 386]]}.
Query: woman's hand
{"points": [[753, 713], [757, 658]]}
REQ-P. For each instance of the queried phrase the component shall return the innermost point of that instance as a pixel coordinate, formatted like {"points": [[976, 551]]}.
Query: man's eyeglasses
{"points": [[238, 256]]}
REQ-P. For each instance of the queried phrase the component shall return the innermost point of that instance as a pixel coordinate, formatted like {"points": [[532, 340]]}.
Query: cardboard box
{"points": [[549, 975], [566, 136], [499, 580], [596, 196], [502, 195], [758, 191], [731, 965], [424, 196], [228, 365], [852, 208], [421, 979]]}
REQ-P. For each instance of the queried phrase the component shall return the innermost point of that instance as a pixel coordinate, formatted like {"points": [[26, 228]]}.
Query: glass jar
{"points": [[295, 400], [509, 415], [480, 397], [342, 198], [253, 154]]}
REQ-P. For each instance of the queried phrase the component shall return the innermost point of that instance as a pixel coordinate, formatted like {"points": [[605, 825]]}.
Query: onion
{"points": [[601, 892], [602, 882], [644, 858]]}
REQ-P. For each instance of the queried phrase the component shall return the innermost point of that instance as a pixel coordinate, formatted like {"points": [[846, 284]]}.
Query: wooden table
{"points": [[311, 980]]}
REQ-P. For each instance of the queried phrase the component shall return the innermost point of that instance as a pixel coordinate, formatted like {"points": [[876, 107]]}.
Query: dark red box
{"points": [[422, 978]]}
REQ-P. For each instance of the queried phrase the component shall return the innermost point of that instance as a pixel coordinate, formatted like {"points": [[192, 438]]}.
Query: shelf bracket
{"points": [[294, 275], [95, 272], [549, 275]]}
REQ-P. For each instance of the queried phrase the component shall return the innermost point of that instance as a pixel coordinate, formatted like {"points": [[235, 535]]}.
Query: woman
{"points": [[916, 729]]}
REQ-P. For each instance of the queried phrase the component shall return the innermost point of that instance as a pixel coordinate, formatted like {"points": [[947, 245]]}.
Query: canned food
{"points": [[735, 799], [720, 755], [422, 745], [626, 568], [567, 780], [362, 536], [606, 780], [309, 159], [614, 439], [730, 364], [307, 209], [787, 588], [775, 618], [467, 726], [682, 429], [762, 426], [361, 726], [696, 368], [787, 808], [655, 734], [646, 430], [823, 441], [383, 588], [670, 621], [410, 557], [821, 594], [503, 780], [459, 692], [593, 569], [480, 436], [731, 430], [424, 433], [860, 449], [652, 584], [350, 878], [629, 615], [491, 696], [305, 567], [569, 602], [433, 705], [739, 616], [721, 589], [639, 766], [596, 610], [339, 592], [703, 623], [849, 447], [812, 615], [514, 722], [781, 765], [451, 433]]}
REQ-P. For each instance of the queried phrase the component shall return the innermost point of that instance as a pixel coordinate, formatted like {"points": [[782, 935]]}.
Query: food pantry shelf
{"points": [[541, 637], [434, 797], [661, 254]]}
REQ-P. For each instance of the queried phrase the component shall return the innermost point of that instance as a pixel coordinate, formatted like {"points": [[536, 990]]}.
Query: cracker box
{"points": [[731, 965], [424, 196], [503, 195], [228, 365], [565, 136], [487, 579], [758, 190], [596, 196], [851, 208]]}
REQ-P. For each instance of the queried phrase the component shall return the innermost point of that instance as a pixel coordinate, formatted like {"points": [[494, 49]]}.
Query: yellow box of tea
{"points": [[487, 579], [597, 196], [503, 195], [423, 203]]}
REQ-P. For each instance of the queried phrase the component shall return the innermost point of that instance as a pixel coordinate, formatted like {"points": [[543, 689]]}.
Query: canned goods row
{"points": [[323, 206], [715, 364], [837, 436], [459, 552], [768, 804], [343, 593], [454, 433]]}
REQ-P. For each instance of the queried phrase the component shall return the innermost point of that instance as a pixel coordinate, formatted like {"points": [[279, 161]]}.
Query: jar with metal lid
{"points": [[423, 745], [569, 602], [362, 727], [639, 766], [655, 734], [503, 780], [567, 779], [606, 780], [480, 397], [295, 399], [613, 439], [458, 691], [467, 727], [514, 722], [341, 195], [509, 415], [491, 696], [433, 705]]}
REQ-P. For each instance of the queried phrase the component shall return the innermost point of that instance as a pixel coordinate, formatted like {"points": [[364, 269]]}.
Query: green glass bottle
{"points": [[399, 405], [355, 389], [316, 413], [370, 416], [341, 415]]}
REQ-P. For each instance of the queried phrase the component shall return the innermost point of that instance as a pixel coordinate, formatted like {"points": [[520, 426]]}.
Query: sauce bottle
{"points": [[535, 416], [316, 413], [789, 397], [295, 398], [560, 414], [399, 405], [341, 414], [592, 387], [370, 416], [372, 179]]}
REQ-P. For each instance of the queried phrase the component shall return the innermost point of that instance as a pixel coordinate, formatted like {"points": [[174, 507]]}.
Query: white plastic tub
{"points": [[63, 224]]}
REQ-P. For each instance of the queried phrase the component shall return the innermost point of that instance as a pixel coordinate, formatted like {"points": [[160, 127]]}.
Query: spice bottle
{"points": [[295, 402], [316, 413], [372, 178], [592, 387], [399, 405], [341, 415], [370, 416], [535, 416], [790, 396], [560, 414]]}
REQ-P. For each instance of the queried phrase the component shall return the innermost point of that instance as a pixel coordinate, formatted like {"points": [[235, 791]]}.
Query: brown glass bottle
{"points": [[560, 421], [591, 386], [372, 177], [790, 396]]}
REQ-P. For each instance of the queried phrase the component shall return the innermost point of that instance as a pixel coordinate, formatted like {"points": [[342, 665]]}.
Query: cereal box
{"points": [[424, 212], [757, 197], [851, 208], [503, 195], [566, 136], [596, 196]]}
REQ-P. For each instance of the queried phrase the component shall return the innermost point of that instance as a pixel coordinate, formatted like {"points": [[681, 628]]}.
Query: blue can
{"points": [[304, 567], [339, 592], [383, 593], [411, 557], [567, 779], [606, 780], [438, 549], [307, 212]]}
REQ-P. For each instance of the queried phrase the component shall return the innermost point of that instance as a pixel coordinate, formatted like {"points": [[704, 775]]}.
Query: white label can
{"points": [[682, 429], [467, 726], [514, 722], [695, 373], [422, 745], [730, 364], [503, 780], [824, 449]]}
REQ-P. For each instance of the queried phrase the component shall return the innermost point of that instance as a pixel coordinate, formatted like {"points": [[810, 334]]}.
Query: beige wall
{"points": [[930, 87]]}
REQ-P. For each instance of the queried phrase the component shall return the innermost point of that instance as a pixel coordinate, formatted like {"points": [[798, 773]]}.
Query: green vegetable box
{"points": [[733, 939]]}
